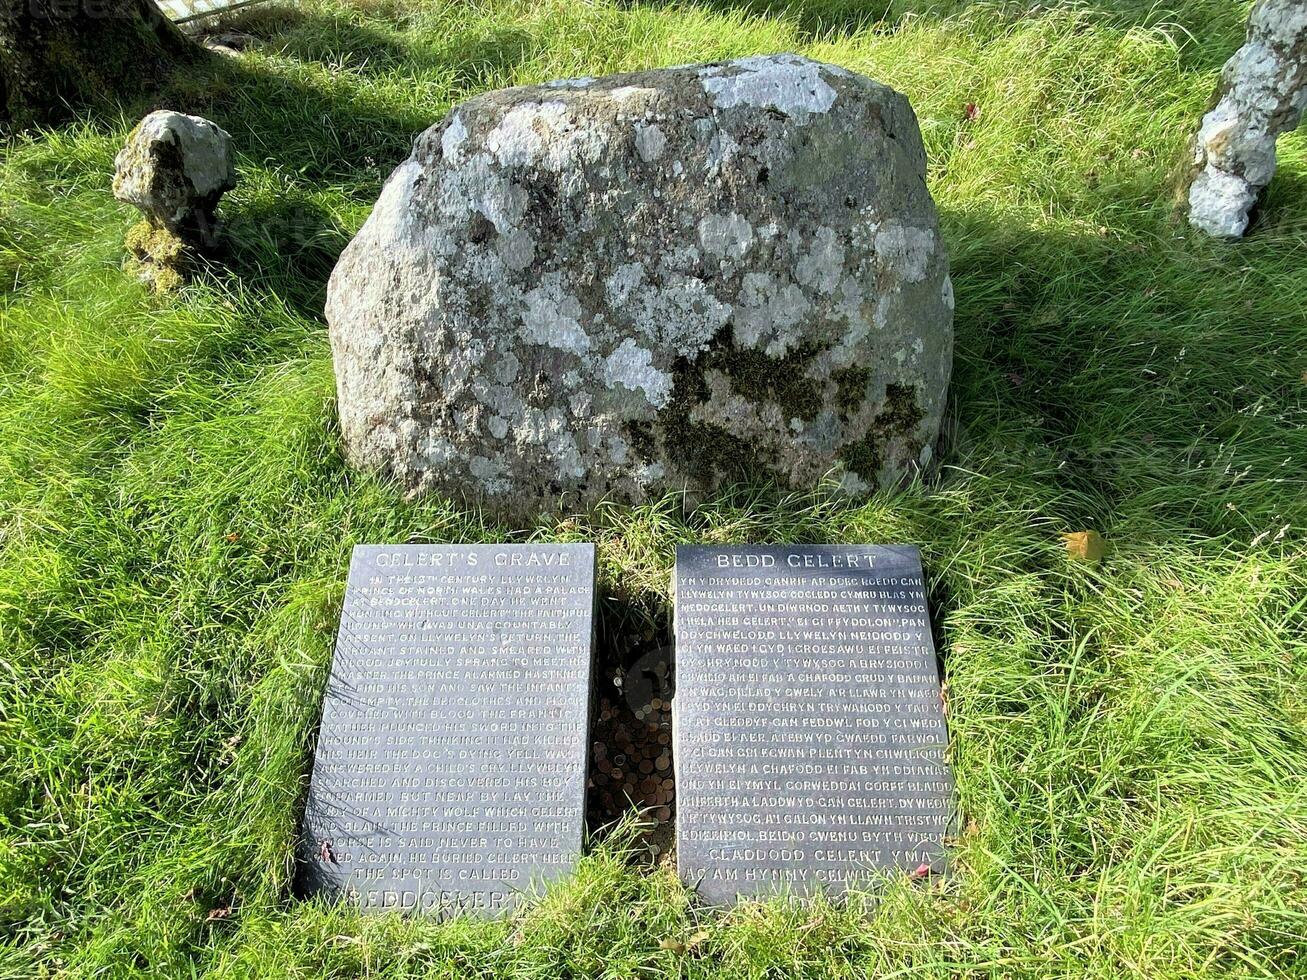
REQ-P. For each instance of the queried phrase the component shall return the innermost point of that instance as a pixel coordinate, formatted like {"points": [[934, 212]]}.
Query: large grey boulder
{"points": [[606, 288]]}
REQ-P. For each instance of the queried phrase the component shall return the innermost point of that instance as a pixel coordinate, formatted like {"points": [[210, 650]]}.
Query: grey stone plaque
{"points": [[450, 770], [808, 725]]}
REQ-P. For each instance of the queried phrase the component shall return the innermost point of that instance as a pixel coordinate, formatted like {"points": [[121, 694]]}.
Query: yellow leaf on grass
{"points": [[679, 946], [1085, 545]]}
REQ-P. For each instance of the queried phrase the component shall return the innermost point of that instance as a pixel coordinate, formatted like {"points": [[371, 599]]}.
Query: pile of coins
{"points": [[631, 748], [632, 760]]}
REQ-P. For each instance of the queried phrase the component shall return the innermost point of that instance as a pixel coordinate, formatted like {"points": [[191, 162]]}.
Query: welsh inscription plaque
{"points": [[809, 730], [450, 770]]}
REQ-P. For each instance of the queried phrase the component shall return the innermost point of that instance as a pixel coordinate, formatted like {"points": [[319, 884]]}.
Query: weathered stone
{"points": [[175, 168], [670, 279], [230, 44], [1262, 94]]}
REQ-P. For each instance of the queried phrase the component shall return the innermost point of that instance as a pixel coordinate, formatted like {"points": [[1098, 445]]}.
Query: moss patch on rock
{"points": [[700, 449], [896, 420], [156, 256], [704, 450], [760, 378], [852, 385], [640, 437]]}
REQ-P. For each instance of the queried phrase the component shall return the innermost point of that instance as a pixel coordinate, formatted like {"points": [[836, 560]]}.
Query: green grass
{"points": [[1129, 739]]}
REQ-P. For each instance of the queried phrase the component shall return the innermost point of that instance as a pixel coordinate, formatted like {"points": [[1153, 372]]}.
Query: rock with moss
{"points": [[175, 168], [608, 288]]}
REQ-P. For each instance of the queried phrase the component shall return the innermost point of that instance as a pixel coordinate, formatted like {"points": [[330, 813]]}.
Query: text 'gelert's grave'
{"points": [[450, 770]]}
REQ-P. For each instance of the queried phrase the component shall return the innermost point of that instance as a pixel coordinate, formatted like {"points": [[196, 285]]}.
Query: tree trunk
{"points": [[57, 55], [1262, 93]]}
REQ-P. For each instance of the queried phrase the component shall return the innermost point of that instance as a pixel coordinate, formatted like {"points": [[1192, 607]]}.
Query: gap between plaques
{"points": [[631, 722]]}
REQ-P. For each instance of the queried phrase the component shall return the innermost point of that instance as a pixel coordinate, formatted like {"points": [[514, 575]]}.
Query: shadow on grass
{"points": [[1096, 363], [287, 243], [835, 19], [321, 118], [308, 122], [316, 130], [371, 49]]}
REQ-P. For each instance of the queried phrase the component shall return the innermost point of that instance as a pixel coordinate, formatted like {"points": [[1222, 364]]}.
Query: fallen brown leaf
{"points": [[684, 945], [1085, 545]]}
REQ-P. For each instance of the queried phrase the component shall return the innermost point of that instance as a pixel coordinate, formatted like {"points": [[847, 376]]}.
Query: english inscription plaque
{"points": [[808, 725], [450, 771]]}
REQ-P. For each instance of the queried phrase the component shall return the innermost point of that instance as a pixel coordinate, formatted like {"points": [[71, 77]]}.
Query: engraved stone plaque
{"points": [[809, 730], [450, 770]]}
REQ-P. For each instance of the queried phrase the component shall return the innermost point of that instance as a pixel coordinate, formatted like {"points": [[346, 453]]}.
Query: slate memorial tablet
{"points": [[450, 769], [808, 726]]}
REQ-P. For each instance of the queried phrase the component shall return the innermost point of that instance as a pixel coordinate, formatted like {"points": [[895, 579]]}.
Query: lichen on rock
{"points": [[1262, 93], [607, 288]]}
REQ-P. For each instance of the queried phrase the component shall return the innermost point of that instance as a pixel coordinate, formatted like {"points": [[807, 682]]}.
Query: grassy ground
{"points": [[1129, 739]]}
